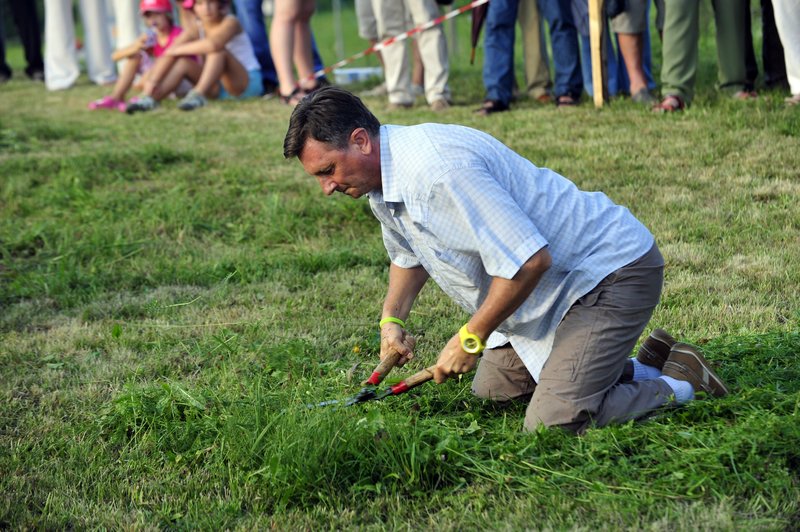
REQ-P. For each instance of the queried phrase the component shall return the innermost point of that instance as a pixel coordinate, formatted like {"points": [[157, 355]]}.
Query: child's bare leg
{"points": [[183, 68], [126, 77], [234, 76], [213, 67]]}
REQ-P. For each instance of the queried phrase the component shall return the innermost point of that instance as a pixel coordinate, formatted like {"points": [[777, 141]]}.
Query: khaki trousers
{"points": [[579, 385], [534, 50], [391, 16], [680, 48]]}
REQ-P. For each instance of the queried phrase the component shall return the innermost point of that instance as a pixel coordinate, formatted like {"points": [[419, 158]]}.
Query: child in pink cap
{"points": [[229, 69], [142, 53]]}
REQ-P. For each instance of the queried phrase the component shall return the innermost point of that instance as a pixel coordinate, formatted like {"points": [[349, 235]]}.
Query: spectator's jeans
{"points": [[564, 40], [498, 44], [252, 20]]}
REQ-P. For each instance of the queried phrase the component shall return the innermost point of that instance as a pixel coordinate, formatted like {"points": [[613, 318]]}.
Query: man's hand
{"points": [[453, 361], [395, 339]]}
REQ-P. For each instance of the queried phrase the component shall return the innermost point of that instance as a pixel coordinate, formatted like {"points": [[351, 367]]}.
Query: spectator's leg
{"points": [[498, 45], [729, 16], [534, 51], [390, 18], [680, 48], [98, 47], [772, 49], [5, 70], [27, 22], [787, 21], [751, 65], [180, 69], [303, 54], [252, 20], [564, 40], [60, 57], [126, 15], [630, 26], [126, 76], [432, 48]]}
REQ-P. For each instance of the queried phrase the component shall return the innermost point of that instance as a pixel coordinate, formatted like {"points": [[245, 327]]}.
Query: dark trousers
{"points": [[27, 22], [771, 51]]}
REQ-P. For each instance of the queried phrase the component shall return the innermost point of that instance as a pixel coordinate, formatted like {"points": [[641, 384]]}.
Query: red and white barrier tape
{"points": [[397, 38]]}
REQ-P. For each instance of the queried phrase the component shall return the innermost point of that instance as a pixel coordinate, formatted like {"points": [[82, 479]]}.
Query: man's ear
{"points": [[361, 139]]}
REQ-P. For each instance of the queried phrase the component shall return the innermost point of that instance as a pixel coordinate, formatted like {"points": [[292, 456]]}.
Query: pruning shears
{"points": [[370, 390]]}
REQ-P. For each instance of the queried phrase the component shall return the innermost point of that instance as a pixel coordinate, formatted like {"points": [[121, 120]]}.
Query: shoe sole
{"points": [[714, 385]]}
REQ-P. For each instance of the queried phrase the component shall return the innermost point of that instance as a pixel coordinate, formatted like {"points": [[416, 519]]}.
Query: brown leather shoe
{"points": [[685, 363], [655, 349]]}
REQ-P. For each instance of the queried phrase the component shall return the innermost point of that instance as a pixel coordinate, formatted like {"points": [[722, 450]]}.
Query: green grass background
{"points": [[173, 293]]}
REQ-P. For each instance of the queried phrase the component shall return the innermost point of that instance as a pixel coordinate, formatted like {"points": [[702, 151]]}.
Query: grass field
{"points": [[173, 293]]}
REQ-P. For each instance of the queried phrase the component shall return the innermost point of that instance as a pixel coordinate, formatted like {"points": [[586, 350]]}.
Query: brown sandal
{"points": [[294, 97], [672, 103]]}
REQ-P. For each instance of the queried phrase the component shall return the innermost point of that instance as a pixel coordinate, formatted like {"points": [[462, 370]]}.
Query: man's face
{"points": [[354, 170]]}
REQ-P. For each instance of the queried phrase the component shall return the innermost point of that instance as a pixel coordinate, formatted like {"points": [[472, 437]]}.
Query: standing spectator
{"points": [[290, 42], [680, 51], [534, 51], [566, 56], [251, 18], [771, 51], [368, 30], [787, 18], [27, 23], [630, 27], [391, 19], [620, 68], [61, 68], [498, 61]]}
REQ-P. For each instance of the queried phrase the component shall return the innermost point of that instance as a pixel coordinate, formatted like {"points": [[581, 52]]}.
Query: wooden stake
{"points": [[596, 43]]}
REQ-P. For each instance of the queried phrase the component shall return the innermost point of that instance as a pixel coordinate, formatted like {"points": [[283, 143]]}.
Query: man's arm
{"points": [[404, 286], [504, 297]]}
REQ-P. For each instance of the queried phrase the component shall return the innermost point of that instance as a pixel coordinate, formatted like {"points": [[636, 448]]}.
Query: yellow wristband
{"points": [[471, 343], [391, 319]]}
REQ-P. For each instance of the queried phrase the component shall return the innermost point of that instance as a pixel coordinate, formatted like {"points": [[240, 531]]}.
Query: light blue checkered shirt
{"points": [[467, 208]]}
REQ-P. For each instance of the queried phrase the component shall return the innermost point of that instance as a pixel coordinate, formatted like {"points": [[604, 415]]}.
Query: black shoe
{"points": [[490, 107], [36, 75]]}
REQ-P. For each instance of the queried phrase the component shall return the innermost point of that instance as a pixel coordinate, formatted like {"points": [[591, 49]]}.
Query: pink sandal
{"points": [[107, 102]]}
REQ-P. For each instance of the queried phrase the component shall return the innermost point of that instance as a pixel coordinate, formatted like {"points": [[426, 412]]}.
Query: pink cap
{"points": [[188, 4], [160, 6]]}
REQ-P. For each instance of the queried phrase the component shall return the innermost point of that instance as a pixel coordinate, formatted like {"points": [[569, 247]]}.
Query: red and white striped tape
{"points": [[397, 38]]}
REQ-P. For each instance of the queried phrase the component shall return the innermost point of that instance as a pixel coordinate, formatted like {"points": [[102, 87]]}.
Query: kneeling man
{"points": [[559, 283]]}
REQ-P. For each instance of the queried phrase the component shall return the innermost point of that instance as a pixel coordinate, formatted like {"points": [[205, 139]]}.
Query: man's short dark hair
{"points": [[329, 115]]}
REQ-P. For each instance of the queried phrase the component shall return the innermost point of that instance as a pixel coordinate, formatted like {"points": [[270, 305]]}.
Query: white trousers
{"points": [[390, 16], [61, 67], [126, 19], [787, 19]]}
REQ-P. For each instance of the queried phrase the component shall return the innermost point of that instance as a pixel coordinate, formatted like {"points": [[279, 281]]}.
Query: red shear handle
{"points": [[383, 369], [413, 381]]}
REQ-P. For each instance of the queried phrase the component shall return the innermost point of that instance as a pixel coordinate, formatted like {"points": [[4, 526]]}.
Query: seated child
{"points": [[229, 69], [141, 53]]}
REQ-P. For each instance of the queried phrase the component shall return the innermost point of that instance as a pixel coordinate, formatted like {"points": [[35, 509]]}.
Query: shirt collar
{"points": [[389, 182]]}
